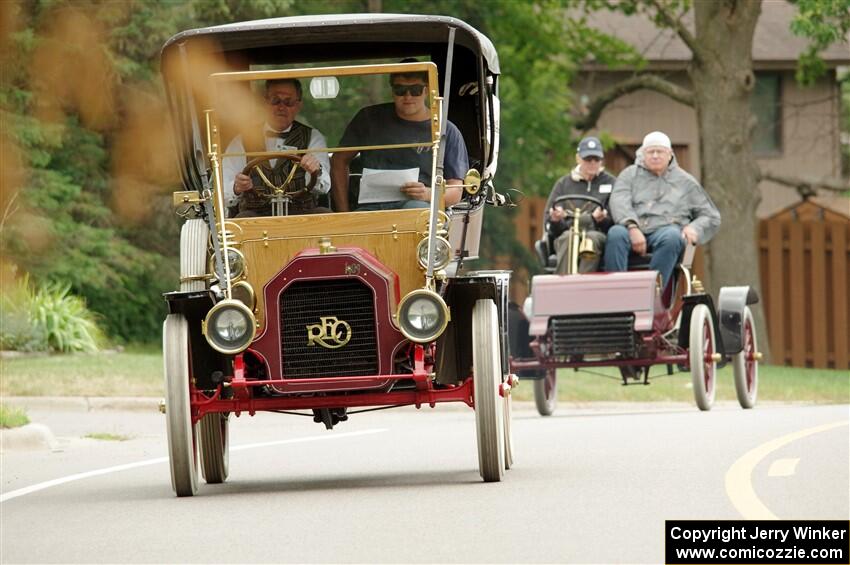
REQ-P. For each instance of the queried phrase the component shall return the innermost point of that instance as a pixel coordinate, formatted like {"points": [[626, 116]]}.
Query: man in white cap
{"points": [[588, 178], [659, 208]]}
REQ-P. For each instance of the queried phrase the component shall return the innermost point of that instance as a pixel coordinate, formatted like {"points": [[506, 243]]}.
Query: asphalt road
{"points": [[590, 485]]}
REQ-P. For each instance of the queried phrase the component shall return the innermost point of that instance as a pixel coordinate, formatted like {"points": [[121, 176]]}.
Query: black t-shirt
{"points": [[379, 125]]}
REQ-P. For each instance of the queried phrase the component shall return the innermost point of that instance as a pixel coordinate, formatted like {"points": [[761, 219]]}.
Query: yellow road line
{"points": [[739, 486], [783, 467]]}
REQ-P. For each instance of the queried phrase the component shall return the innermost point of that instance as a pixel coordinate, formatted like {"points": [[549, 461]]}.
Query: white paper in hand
{"points": [[380, 185]]}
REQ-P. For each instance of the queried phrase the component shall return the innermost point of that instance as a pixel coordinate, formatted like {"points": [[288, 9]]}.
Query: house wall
{"points": [[810, 130]]}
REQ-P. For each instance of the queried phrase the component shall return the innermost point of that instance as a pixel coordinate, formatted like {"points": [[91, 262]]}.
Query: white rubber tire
{"points": [[215, 447], [703, 342], [182, 435], [744, 366], [486, 374], [509, 433], [546, 393], [194, 240]]}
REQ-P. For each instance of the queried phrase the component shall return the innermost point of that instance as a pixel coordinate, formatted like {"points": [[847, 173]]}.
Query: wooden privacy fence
{"points": [[803, 260], [804, 263]]}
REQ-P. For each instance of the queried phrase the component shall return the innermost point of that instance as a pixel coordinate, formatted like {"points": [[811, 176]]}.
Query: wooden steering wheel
{"points": [[271, 190]]}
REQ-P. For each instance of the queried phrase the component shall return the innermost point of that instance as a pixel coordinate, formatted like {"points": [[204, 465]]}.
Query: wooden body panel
{"points": [[270, 243]]}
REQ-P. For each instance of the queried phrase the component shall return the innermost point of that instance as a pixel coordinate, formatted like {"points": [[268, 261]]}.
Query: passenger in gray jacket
{"points": [[658, 207]]}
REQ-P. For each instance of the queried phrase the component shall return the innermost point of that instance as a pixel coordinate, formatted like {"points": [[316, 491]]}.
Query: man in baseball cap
{"points": [[588, 178], [590, 147]]}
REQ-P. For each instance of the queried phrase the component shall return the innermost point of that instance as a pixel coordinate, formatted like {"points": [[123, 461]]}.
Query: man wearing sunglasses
{"points": [[658, 208], [281, 132], [407, 119], [588, 178]]}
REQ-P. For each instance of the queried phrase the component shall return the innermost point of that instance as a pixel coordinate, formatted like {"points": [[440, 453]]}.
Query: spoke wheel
{"points": [[509, 433], [702, 347], [745, 366], [546, 393], [487, 378], [182, 434], [215, 447]]}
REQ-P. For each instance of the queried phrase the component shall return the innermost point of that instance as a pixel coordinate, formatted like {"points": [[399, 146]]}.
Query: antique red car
{"points": [[333, 310]]}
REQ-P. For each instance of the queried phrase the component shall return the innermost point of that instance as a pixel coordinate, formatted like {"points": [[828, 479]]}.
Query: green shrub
{"points": [[17, 332], [12, 417], [48, 318]]}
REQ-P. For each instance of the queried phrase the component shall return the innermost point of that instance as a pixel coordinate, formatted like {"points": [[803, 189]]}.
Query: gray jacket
{"points": [[654, 201]]}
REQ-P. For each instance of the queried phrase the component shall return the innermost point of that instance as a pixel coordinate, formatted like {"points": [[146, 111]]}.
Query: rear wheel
{"points": [[701, 353], [546, 393], [509, 434], [182, 435], [487, 378], [215, 447], [745, 365]]}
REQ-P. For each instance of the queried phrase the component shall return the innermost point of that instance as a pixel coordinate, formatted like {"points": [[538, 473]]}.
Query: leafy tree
{"points": [[60, 226], [721, 80]]}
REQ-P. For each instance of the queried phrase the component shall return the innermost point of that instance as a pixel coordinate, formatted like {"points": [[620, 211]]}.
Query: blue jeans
{"points": [[400, 205], [665, 244]]}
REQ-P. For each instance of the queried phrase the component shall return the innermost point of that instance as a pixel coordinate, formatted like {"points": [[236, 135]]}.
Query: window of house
{"points": [[766, 103]]}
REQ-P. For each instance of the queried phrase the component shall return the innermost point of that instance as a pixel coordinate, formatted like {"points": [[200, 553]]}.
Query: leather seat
{"points": [[548, 260]]}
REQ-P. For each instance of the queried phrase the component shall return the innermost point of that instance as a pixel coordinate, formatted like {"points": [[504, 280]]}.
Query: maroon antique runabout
{"points": [[626, 320]]}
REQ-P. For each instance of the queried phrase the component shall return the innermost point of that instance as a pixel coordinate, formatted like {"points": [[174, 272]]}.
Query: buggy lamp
{"points": [[244, 293], [422, 316], [442, 253], [230, 327], [236, 263]]}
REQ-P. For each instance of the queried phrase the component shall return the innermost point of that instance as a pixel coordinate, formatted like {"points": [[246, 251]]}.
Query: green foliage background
{"points": [[60, 223]]}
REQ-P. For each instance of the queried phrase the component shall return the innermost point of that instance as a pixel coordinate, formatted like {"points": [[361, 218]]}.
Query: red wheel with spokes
{"points": [[702, 356], [745, 364]]}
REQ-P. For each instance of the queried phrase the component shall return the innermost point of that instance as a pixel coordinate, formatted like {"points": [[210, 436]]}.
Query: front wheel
{"points": [[182, 434], [701, 354], [546, 393], [487, 379], [745, 366], [215, 447]]}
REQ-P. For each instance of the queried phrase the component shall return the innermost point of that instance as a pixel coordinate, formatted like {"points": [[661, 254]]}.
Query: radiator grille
{"points": [[303, 304], [590, 335]]}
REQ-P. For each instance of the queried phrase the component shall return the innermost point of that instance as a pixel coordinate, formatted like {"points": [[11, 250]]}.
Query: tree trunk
{"points": [[722, 77]]}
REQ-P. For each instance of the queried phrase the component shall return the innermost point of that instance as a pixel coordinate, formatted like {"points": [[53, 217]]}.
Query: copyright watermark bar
{"points": [[814, 542]]}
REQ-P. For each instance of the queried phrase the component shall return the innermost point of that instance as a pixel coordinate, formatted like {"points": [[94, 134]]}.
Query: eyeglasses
{"points": [[412, 89], [288, 102], [592, 158]]}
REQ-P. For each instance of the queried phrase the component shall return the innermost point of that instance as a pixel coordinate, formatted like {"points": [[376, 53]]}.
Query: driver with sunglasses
{"points": [[281, 132], [407, 119], [588, 178]]}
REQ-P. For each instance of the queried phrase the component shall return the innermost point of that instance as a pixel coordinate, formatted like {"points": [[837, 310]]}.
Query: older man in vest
{"points": [[281, 132]]}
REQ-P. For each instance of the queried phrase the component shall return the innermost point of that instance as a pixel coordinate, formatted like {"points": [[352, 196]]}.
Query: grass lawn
{"points": [[133, 372], [138, 372]]}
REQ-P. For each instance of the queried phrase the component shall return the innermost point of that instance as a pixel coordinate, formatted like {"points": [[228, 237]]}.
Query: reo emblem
{"points": [[330, 333]]}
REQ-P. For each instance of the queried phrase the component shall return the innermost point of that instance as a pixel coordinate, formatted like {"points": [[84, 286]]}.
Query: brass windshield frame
{"points": [[353, 70], [215, 154]]}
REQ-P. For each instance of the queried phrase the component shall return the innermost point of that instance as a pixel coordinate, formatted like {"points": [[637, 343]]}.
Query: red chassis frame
{"points": [[243, 401]]}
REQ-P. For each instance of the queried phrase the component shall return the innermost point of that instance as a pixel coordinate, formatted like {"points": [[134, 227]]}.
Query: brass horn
{"points": [[587, 250]]}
